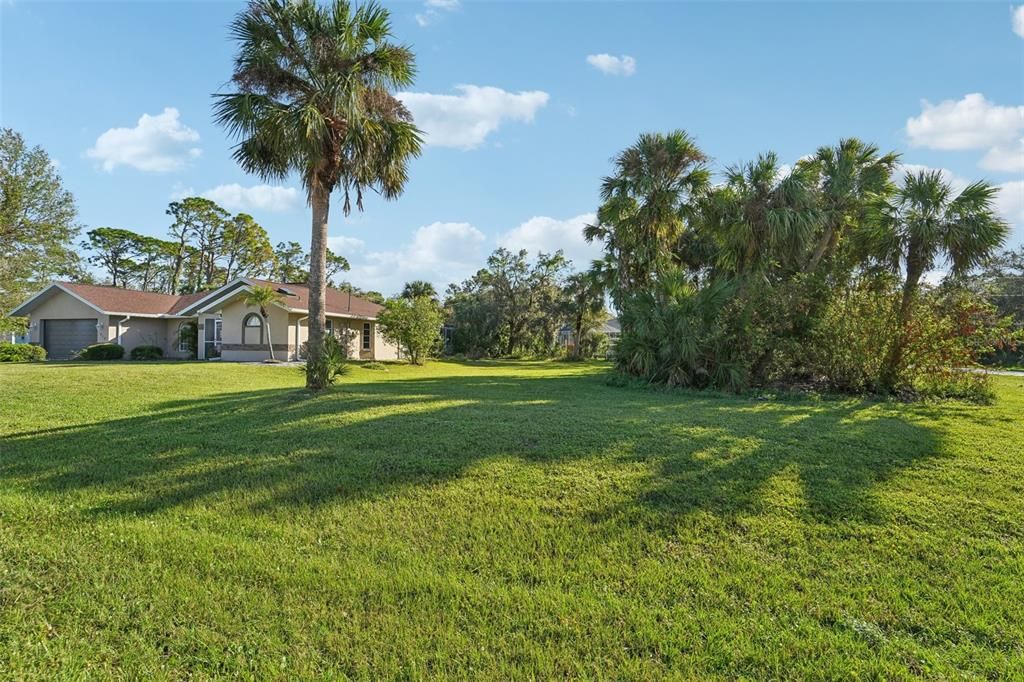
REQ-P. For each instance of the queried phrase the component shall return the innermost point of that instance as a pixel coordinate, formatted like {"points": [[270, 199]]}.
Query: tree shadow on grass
{"points": [[271, 448]]}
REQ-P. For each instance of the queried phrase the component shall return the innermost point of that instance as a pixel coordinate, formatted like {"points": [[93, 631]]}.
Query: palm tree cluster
{"points": [[738, 283]]}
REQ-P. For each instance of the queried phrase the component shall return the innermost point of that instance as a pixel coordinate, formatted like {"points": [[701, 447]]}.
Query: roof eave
{"points": [[17, 312]]}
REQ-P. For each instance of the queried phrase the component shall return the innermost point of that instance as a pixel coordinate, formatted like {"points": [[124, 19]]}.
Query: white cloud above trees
{"points": [[447, 252], [235, 197], [158, 144], [465, 120], [545, 234], [440, 253], [1007, 158], [1010, 204], [972, 122]]}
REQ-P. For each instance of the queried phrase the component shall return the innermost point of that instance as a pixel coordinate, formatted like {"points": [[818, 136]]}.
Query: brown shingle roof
{"points": [[186, 300], [118, 300], [338, 302]]}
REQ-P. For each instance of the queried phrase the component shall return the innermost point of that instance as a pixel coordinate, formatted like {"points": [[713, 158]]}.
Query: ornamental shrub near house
{"points": [[21, 352], [101, 351], [147, 353]]}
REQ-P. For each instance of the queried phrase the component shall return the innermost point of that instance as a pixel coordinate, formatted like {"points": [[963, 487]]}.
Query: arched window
{"points": [[185, 334], [252, 329]]}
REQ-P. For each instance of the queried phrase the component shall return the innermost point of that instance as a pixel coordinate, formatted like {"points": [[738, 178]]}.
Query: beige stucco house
{"points": [[65, 317]]}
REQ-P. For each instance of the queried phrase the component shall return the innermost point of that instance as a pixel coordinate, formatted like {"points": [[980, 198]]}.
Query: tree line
{"points": [[515, 307], [205, 248]]}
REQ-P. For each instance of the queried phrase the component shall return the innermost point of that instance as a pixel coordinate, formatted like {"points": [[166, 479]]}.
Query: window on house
{"points": [[366, 336], [329, 327], [252, 329], [183, 338]]}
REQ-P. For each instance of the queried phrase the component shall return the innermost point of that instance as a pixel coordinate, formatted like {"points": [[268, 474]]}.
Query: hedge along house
{"points": [[66, 317]]}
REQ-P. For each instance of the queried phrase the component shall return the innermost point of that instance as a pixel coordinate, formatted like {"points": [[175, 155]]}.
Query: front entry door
{"points": [[212, 338]]}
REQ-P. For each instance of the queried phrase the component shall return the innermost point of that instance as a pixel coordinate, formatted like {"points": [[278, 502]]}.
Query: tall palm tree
{"points": [[761, 217], [849, 175], [926, 224], [314, 96], [263, 298], [646, 204], [419, 288]]}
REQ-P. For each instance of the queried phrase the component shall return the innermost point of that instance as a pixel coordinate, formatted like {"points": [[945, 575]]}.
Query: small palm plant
{"points": [[263, 298]]}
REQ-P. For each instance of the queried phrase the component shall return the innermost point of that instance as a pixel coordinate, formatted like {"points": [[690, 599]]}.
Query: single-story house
{"points": [[66, 317]]}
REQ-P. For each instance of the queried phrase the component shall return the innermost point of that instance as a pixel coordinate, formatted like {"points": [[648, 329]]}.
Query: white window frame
{"points": [[367, 336]]}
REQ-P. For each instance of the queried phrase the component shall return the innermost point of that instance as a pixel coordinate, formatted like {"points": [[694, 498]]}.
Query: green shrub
{"points": [[677, 335], [147, 353], [101, 351], [373, 364], [412, 325], [21, 352], [797, 335], [333, 361], [849, 345]]}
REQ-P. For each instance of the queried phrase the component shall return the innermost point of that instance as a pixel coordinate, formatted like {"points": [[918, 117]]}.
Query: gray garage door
{"points": [[63, 338]]}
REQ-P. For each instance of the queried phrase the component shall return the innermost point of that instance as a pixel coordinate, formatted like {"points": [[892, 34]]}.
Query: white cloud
{"points": [[465, 120], [1017, 17], [970, 123], [612, 65], [1010, 204], [439, 253], [542, 233], [343, 245], [1006, 158], [434, 9], [157, 144], [235, 197]]}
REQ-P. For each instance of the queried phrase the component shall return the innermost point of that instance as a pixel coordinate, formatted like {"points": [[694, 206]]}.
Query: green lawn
{"points": [[498, 520]]}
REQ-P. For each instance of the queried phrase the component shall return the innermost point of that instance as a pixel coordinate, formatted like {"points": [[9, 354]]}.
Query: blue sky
{"points": [[523, 104]]}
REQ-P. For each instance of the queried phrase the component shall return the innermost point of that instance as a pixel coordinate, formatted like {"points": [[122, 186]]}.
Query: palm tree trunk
{"points": [[270, 339], [891, 368], [819, 250], [320, 201]]}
